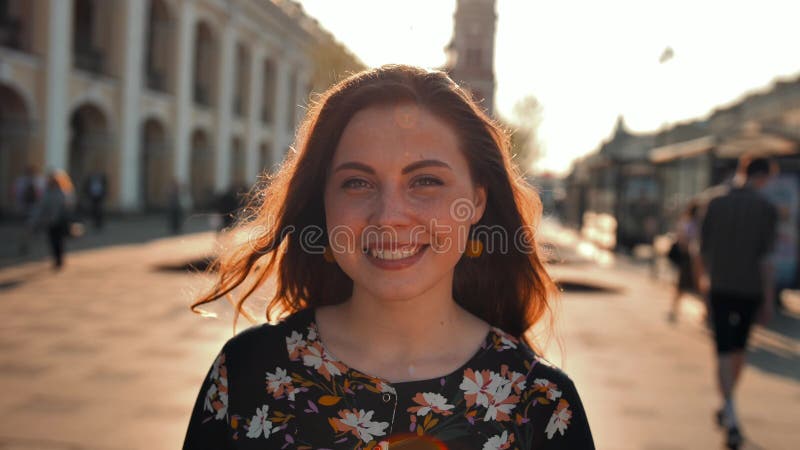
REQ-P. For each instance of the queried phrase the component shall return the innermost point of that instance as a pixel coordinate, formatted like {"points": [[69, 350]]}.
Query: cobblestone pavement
{"points": [[106, 355]]}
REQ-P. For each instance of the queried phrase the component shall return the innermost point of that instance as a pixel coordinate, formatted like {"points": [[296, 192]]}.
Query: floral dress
{"points": [[277, 387]]}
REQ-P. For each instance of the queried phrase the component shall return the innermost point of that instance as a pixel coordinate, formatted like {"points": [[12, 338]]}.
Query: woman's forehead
{"points": [[402, 132]]}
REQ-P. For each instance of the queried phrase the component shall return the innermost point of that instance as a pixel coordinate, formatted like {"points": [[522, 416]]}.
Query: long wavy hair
{"points": [[508, 289]]}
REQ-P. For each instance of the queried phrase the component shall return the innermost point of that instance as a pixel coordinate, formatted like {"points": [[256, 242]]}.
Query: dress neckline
{"points": [[486, 344]]}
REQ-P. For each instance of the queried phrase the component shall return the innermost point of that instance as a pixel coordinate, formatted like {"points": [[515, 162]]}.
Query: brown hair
{"points": [[509, 289]]}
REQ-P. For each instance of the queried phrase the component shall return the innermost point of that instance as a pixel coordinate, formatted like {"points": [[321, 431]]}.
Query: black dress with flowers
{"points": [[277, 387]]}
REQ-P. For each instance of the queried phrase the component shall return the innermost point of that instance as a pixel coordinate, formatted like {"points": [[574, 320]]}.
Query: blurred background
{"points": [[151, 117]]}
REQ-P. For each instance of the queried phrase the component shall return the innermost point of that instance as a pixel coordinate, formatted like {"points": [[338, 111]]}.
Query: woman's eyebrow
{"points": [[355, 166], [425, 163], [407, 169]]}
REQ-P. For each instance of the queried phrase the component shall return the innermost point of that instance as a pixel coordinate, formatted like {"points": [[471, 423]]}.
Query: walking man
{"points": [[737, 235], [96, 188]]}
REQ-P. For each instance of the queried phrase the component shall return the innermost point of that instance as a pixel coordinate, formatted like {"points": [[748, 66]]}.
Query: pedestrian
{"points": [[54, 212], [737, 235], [28, 189], [175, 206], [95, 189], [227, 205], [687, 235], [404, 325]]}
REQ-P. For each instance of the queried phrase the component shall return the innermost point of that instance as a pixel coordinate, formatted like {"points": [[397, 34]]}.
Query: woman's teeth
{"points": [[394, 254]]}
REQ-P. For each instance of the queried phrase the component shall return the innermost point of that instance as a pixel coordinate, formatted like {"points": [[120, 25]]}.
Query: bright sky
{"points": [[590, 61]]}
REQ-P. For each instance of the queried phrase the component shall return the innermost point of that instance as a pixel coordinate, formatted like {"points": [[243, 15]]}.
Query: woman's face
{"points": [[399, 201]]}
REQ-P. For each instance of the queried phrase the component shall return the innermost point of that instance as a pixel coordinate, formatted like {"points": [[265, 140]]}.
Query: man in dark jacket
{"points": [[737, 235]]}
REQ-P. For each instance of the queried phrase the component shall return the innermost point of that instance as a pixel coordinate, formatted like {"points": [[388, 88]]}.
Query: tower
{"points": [[470, 54]]}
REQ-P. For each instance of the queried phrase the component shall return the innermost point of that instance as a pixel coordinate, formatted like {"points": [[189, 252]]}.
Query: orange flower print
{"points": [[430, 401], [559, 421], [317, 357]]}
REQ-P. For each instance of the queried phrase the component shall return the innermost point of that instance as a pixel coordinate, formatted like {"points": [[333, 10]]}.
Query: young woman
{"points": [[53, 213], [401, 239]]}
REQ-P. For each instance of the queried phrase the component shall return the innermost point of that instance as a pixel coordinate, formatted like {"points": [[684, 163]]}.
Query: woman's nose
{"points": [[391, 209]]}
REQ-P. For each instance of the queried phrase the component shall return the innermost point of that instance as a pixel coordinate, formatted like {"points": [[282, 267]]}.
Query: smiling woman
{"points": [[406, 322]]}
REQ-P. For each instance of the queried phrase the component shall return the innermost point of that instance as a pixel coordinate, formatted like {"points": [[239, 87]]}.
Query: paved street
{"points": [[106, 355]]}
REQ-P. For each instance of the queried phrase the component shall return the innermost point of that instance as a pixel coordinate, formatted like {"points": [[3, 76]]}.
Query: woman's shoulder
{"points": [[269, 340], [515, 352]]}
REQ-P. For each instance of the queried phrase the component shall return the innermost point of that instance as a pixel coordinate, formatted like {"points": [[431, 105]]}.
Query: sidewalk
{"points": [[106, 355], [648, 384], [129, 229]]}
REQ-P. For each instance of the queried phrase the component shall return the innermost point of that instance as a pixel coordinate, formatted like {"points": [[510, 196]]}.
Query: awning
{"points": [[756, 145], [683, 149]]}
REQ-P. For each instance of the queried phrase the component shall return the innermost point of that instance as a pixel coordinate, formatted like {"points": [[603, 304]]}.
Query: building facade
{"points": [[202, 93], [470, 54]]}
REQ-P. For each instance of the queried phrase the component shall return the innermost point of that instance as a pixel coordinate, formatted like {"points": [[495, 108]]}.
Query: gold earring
{"points": [[328, 254], [474, 248]]}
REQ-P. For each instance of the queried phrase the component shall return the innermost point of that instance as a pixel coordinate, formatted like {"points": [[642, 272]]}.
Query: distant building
{"points": [[470, 54], [205, 92], [635, 178]]}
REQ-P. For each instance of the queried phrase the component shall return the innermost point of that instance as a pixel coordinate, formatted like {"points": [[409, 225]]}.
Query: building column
{"points": [[59, 55], [183, 94], [130, 161], [284, 95], [301, 95], [253, 140], [222, 154]]}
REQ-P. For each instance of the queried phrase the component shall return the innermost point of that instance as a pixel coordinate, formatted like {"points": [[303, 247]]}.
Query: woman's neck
{"points": [[381, 333]]}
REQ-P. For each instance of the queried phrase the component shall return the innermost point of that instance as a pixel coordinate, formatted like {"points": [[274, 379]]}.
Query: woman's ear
{"points": [[479, 200]]}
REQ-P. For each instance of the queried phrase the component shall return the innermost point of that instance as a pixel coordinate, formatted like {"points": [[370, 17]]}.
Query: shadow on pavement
{"points": [[586, 287], [777, 348], [20, 279], [120, 230], [197, 265]]}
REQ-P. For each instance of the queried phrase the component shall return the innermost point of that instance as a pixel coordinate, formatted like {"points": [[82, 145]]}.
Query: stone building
{"points": [[203, 92], [470, 54]]}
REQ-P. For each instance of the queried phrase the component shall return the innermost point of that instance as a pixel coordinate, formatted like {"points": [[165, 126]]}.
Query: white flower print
{"points": [[475, 385], [316, 357], [294, 343], [517, 381], [280, 382], [507, 342], [260, 424], [500, 403], [210, 395], [546, 386], [385, 387], [360, 424], [500, 442], [430, 402], [312, 333], [559, 421]]}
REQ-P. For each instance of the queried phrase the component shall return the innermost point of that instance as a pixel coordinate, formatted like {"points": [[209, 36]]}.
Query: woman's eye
{"points": [[355, 183], [427, 181]]}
